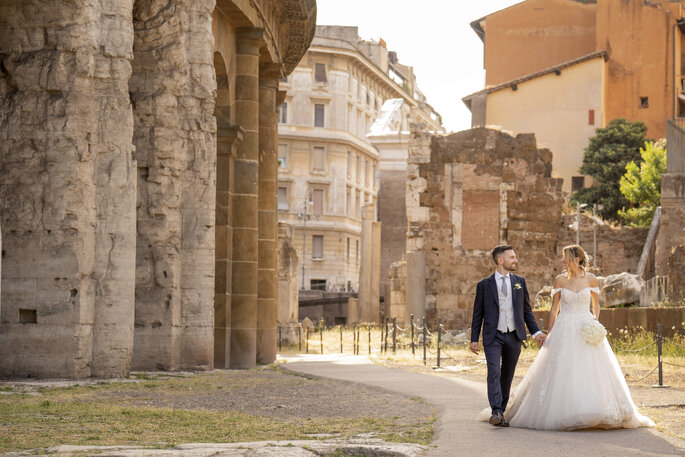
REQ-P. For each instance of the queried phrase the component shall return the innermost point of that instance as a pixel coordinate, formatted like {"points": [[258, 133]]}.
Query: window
{"points": [[318, 115], [317, 284], [348, 249], [318, 159], [317, 247], [359, 167], [348, 203], [591, 117], [357, 206], [320, 73], [368, 99], [577, 183], [283, 113], [357, 250], [317, 197], [366, 172], [374, 177], [644, 102], [349, 164], [282, 156], [283, 198]]}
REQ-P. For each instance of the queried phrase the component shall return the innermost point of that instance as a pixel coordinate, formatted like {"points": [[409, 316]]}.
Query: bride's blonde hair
{"points": [[576, 255]]}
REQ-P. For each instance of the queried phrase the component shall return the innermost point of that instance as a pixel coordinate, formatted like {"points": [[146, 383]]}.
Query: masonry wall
{"points": [[67, 190], [618, 247], [468, 192]]}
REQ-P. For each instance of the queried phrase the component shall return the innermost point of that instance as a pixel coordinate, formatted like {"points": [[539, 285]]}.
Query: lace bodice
{"points": [[575, 302]]}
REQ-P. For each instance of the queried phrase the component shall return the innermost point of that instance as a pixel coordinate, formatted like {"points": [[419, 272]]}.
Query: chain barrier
{"points": [[309, 340]]}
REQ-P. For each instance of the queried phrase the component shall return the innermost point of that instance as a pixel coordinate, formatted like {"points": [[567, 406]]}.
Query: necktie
{"points": [[505, 289]]}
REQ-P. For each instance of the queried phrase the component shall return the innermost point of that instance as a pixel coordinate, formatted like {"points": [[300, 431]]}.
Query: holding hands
{"points": [[540, 339]]}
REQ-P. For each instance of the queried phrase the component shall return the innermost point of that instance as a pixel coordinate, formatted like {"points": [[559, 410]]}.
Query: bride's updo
{"points": [[576, 255]]}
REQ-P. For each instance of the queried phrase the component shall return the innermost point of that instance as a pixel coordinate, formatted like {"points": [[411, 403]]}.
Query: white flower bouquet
{"points": [[594, 332]]}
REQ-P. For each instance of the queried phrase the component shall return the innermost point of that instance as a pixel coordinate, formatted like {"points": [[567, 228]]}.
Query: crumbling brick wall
{"points": [[468, 192]]}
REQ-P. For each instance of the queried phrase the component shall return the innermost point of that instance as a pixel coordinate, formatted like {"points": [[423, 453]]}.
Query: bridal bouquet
{"points": [[594, 332]]}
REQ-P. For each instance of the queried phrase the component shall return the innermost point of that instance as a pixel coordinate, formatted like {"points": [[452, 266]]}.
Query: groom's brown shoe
{"points": [[497, 419]]}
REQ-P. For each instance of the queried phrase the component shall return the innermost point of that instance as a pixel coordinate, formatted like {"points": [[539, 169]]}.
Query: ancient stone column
{"points": [[368, 312], [245, 203], [375, 264], [267, 303], [416, 284], [227, 141]]}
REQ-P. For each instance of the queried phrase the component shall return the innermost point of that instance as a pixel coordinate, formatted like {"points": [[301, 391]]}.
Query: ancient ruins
{"points": [[138, 185]]}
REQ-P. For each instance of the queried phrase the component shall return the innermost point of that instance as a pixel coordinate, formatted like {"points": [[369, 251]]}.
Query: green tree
{"points": [[641, 184], [606, 157]]}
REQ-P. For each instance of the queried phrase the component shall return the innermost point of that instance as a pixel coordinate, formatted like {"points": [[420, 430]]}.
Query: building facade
{"points": [[329, 169], [562, 68], [138, 194]]}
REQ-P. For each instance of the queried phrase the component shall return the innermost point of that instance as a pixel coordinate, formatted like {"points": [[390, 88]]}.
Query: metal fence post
{"points": [[658, 348], [341, 340], [280, 339], [394, 335], [321, 338], [299, 339], [439, 333], [385, 346], [306, 341], [411, 324], [369, 328], [424, 340]]}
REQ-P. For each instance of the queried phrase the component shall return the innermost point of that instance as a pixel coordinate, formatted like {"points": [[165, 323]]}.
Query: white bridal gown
{"points": [[573, 384]]}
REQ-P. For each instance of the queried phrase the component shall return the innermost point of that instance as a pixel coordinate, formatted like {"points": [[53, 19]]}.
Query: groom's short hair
{"points": [[499, 250]]}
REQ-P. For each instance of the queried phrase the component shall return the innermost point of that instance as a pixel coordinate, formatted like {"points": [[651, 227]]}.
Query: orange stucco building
{"points": [[641, 43]]}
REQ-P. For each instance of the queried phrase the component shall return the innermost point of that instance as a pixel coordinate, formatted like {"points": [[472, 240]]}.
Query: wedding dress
{"points": [[573, 384]]}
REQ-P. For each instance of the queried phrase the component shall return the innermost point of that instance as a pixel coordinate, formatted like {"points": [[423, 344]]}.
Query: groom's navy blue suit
{"points": [[502, 350]]}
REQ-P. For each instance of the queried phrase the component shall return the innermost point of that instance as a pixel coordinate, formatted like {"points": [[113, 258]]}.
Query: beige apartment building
{"points": [[328, 167]]}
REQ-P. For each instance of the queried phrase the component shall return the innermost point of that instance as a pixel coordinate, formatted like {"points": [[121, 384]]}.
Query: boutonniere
{"points": [[517, 286]]}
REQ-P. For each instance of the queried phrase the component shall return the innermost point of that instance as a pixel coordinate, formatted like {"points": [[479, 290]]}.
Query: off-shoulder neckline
{"points": [[574, 291]]}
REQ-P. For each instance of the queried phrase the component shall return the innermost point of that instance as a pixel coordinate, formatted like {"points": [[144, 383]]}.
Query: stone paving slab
{"points": [[356, 447]]}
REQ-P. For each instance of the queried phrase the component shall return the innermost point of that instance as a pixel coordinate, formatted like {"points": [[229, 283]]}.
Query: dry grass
{"points": [[217, 407]]}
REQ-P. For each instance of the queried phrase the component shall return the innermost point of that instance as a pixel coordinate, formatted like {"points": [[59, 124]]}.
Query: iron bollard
{"points": [[382, 325], [424, 340], [280, 340], [394, 335], [306, 341], [321, 338], [439, 333], [411, 320], [341, 341], [299, 339]]}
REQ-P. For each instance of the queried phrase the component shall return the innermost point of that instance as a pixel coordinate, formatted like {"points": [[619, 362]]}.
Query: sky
{"points": [[433, 36]]}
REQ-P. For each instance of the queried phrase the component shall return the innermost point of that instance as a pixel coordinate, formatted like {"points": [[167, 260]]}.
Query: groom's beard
{"points": [[511, 267]]}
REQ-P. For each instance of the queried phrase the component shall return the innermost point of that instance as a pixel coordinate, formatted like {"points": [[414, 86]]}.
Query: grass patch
{"points": [[112, 414]]}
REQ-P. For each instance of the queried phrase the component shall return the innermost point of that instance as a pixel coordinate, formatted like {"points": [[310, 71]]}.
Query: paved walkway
{"points": [[458, 402]]}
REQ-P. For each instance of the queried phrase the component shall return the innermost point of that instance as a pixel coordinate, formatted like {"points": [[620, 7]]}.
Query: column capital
{"points": [[280, 96], [230, 136], [270, 73], [249, 40]]}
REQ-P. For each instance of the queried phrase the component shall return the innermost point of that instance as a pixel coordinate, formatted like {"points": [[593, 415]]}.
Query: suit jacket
{"points": [[486, 310]]}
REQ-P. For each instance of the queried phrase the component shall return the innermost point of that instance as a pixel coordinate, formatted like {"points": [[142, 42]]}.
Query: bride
{"points": [[573, 384]]}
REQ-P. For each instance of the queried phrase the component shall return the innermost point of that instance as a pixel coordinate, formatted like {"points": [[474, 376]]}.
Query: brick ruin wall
{"points": [[468, 192], [618, 247]]}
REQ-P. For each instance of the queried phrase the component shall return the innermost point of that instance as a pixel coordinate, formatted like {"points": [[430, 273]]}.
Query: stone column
{"points": [[227, 140], [375, 264], [245, 203], [416, 284], [267, 309], [366, 308]]}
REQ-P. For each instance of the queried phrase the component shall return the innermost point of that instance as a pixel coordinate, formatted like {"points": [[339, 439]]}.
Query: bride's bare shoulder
{"points": [[560, 281]]}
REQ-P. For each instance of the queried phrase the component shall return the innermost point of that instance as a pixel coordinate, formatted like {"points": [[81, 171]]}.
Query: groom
{"points": [[502, 307]]}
